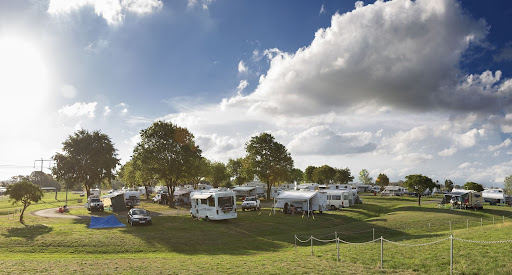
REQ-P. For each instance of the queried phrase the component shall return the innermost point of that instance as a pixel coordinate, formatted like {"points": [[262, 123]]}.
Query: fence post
{"points": [[503, 219], [295, 243], [429, 228], [450, 226], [405, 234], [381, 252], [481, 221], [338, 247], [451, 254], [311, 245], [467, 224], [492, 220], [374, 231]]}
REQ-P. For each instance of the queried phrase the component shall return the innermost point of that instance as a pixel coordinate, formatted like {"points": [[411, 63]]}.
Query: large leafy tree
{"points": [[296, 175], [324, 174], [269, 159], [24, 192], [43, 180], [308, 173], [198, 170], [218, 174], [419, 184], [168, 152], [382, 180], [89, 159], [237, 171], [364, 177], [343, 176], [134, 174], [508, 185], [473, 186]]}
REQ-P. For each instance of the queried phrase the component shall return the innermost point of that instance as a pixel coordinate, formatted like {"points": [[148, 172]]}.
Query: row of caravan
{"points": [[220, 204]]}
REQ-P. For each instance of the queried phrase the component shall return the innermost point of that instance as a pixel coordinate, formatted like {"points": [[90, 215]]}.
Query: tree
{"points": [[218, 174], [168, 152], [508, 185], [308, 173], [24, 192], [296, 175], [270, 160], [473, 186], [89, 159], [324, 174], [199, 169], [42, 179], [382, 180], [343, 176], [134, 174], [364, 177], [448, 184], [236, 171], [419, 184]]}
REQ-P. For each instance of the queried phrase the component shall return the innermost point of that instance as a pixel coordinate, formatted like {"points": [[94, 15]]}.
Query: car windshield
{"points": [[95, 200], [139, 212], [250, 199]]}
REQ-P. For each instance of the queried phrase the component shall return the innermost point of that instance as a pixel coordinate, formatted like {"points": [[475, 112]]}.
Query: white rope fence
{"points": [[382, 240]]}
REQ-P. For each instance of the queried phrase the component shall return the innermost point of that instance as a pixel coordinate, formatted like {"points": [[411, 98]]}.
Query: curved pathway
{"points": [[54, 213]]}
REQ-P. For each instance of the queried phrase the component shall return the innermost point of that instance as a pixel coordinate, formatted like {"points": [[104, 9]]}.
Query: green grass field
{"points": [[260, 242]]}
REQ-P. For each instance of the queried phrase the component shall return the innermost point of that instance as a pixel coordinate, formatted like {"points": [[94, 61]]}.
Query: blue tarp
{"points": [[105, 222]]}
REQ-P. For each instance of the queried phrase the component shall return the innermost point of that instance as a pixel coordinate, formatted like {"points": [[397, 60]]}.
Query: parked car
{"points": [[251, 203], [138, 216]]}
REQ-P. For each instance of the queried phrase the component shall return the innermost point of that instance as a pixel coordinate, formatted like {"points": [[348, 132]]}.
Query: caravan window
{"points": [[204, 201], [345, 196], [336, 197], [211, 201], [226, 201]]}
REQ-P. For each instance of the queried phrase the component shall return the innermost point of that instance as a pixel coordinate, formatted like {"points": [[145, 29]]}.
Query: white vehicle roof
{"points": [[296, 195]]}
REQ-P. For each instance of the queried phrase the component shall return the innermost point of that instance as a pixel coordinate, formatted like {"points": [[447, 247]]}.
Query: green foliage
{"points": [[508, 185], [218, 174], [473, 186], [269, 159], [24, 192], [448, 184], [382, 181], [168, 152], [324, 174], [236, 171], [343, 176], [89, 159], [308, 173], [44, 180], [419, 184], [364, 177], [296, 175]]}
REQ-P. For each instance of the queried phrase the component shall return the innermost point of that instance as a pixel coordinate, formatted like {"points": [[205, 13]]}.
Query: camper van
{"points": [[213, 204], [494, 196], [131, 198], [302, 200], [95, 192], [460, 198], [337, 199], [392, 190]]}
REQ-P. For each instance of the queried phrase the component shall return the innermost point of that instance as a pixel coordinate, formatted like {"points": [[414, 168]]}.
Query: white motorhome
{"points": [[308, 186], [131, 198], [213, 204], [302, 200], [494, 196], [244, 191], [392, 190], [95, 192], [337, 199], [460, 198]]}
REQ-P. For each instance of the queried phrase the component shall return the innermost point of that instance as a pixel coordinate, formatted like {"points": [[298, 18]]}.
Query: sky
{"points": [[397, 87]]}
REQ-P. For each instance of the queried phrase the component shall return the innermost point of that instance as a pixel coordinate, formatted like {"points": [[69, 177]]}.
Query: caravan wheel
{"points": [[207, 219], [333, 207]]}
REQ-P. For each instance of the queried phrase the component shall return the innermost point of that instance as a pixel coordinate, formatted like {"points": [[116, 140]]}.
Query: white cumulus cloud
{"points": [[79, 109]]}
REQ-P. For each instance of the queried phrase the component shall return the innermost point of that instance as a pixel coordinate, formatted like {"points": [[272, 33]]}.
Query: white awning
{"points": [[243, 188], [181, 192], [200, 196], [296, 195]]}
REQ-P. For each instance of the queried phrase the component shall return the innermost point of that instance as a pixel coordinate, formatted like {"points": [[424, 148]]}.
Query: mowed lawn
{"points": [[261, 241]]}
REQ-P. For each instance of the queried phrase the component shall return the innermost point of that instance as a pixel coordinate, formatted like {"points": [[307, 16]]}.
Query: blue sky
{"points": [[396, 87]]}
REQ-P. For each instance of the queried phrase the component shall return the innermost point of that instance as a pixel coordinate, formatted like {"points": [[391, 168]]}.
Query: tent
{"points": [[105, 222]]}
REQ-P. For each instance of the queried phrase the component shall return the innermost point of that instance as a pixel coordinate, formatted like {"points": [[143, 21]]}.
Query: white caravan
{"points": [[302, 200], [392, 190], [337, 199], [494, 196], [213, 204]]}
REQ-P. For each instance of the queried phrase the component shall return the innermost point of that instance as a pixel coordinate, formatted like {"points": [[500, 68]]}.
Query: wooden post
{"points": [[381, 252], [451, 254], [311, 246]]}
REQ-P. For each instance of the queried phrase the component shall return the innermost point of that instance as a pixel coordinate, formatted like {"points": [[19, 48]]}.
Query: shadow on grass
{"points": [[29, 232]]}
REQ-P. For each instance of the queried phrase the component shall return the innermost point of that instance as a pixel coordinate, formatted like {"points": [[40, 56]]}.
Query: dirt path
{"points": [[54, 213]]}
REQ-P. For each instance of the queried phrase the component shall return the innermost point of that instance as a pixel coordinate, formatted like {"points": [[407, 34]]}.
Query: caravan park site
{"points": [[259, 242]]}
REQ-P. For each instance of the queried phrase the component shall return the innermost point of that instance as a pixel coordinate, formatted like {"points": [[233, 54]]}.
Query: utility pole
{"points": [[42, 161]]}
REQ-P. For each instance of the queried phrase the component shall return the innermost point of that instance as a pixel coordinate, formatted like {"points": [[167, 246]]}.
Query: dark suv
{"points": [[139, 216]]}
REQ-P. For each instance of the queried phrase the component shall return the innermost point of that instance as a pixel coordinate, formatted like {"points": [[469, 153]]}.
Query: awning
{"points": [[200, 196], [181, 192], [243, 188], [296, 195]]}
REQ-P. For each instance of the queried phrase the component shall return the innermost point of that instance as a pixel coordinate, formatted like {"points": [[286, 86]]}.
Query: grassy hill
{"points": [[262, 242]]}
